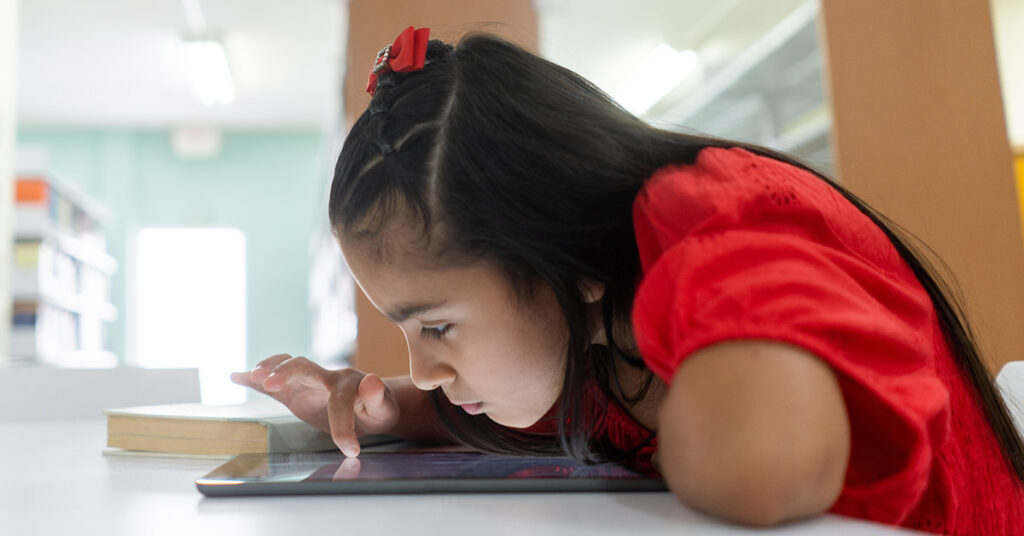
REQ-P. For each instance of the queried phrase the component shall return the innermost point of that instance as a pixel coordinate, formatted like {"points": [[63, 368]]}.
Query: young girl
{"points": [[571, 280]]}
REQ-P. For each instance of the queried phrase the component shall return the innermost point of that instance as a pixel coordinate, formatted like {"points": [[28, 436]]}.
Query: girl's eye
{"points": [[435, 332]]}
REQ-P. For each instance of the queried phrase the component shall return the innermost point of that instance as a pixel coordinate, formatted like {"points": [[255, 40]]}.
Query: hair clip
{"points": [[384, 147], [406, 54]]}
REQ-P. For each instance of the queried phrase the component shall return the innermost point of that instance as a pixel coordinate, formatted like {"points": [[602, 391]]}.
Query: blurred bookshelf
{"points": [[332, 297], [61, 275], [332, 291]]}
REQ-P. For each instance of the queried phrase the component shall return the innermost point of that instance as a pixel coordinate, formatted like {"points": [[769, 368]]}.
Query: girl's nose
{"points": [[428, 372]]}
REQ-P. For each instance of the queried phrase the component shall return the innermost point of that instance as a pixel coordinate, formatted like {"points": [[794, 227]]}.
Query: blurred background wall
{"points": [[117, 111]]}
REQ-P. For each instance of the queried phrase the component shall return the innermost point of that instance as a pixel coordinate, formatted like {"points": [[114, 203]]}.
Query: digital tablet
{"points": [[416, 472]]}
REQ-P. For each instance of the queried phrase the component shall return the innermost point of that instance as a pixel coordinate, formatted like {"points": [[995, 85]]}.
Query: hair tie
{"points": [[385, 147], [407, 53]]}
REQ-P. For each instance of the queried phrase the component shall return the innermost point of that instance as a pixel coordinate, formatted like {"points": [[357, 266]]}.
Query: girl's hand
{"points": [[346, 403]]}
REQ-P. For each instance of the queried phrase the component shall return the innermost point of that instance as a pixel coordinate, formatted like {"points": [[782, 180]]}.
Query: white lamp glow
{"points": [[190, 309], [663, 69], [207, 65]]}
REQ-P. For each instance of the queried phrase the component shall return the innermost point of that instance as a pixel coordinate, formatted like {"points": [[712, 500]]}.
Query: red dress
{"points": [[738, 246]]}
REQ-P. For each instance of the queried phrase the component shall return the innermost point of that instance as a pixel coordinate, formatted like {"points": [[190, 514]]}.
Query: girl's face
{"points": [[471, 336]]}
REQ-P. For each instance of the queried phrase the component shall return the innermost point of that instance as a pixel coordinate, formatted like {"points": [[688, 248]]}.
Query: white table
{"points": [[54, 480]]}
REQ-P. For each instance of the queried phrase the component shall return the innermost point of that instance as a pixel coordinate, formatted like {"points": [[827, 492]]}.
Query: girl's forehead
{"points": [[407, 278], [392, 256], [400, 293], [394, 238]]}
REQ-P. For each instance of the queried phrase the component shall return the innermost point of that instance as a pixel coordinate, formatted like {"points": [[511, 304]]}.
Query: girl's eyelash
{"points": [[435, 332]]}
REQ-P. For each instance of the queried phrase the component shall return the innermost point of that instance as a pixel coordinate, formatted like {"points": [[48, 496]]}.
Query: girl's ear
{"points": [[591, 291]]}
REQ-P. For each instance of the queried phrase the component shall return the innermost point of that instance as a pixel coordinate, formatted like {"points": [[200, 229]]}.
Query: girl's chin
{"points": [[512, 421]]}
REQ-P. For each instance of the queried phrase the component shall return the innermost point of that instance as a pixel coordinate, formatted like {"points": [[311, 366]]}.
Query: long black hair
{"points": [[499, 155]]}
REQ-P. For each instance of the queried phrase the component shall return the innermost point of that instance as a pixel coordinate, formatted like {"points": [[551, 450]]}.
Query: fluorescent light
{"points": [[662, 70], [194, 16], [207, 65]]}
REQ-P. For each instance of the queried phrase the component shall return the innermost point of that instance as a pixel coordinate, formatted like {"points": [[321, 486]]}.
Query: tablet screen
{"points": [[416, 472]]}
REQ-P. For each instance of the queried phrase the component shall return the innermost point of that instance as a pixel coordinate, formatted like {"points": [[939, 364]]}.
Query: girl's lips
{"points": [[473, 408]]}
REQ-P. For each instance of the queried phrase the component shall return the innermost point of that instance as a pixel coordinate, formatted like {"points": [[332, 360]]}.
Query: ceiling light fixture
{"points": [[207, 64], [661, 71]]}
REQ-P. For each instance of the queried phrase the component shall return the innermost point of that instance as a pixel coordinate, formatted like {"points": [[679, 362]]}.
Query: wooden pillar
{"points": [[920, 135], [372, 24]]}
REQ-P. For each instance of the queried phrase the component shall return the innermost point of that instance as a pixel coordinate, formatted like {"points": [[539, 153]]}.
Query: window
{"points": [[191, 305]]}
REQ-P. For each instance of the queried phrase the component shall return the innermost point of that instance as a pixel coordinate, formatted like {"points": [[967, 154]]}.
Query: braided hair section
{"points": [[386, 167]]}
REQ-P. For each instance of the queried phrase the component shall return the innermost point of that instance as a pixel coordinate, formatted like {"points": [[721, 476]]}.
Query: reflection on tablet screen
{"points": [[398, 465], [385, 472]]}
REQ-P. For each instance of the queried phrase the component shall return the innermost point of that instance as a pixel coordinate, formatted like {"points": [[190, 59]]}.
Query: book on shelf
{"points": [[195, 429]]}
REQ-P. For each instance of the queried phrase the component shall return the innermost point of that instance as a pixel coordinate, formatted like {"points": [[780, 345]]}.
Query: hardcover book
{"points": [[262, 425]]}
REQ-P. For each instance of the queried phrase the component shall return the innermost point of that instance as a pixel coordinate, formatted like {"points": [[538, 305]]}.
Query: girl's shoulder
{"points": [[728, 180], [728, 189]]}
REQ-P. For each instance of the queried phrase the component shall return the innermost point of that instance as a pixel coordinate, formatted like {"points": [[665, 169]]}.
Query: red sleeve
{"points": [[870, 325]]}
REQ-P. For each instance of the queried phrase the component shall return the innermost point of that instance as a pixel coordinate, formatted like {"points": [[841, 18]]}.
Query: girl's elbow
{"points": [[754, 432], [738, 493]]}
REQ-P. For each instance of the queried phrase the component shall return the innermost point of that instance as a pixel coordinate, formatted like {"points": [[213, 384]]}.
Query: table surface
{"points": [[55, 480]]}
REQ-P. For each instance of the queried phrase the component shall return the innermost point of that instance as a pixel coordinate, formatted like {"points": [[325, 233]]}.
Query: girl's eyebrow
{"points": [[406, 310]]}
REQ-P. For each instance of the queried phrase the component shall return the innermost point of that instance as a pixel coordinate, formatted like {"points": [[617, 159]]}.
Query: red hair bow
{"points": [[407, 53]]}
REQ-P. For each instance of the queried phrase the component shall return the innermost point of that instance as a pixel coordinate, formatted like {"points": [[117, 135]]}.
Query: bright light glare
{"points": [[207, 65], [663, 69], [191, 305]]}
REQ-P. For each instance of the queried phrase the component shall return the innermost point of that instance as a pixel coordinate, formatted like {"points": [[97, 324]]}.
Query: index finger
{"points": [[341, 412]]}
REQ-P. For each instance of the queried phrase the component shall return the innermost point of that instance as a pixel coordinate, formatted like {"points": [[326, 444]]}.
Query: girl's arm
{"points": [[755, 432]]}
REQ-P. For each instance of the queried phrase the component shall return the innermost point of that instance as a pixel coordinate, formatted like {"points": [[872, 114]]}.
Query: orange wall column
{"points": [[372, 24], [921, 136]]}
